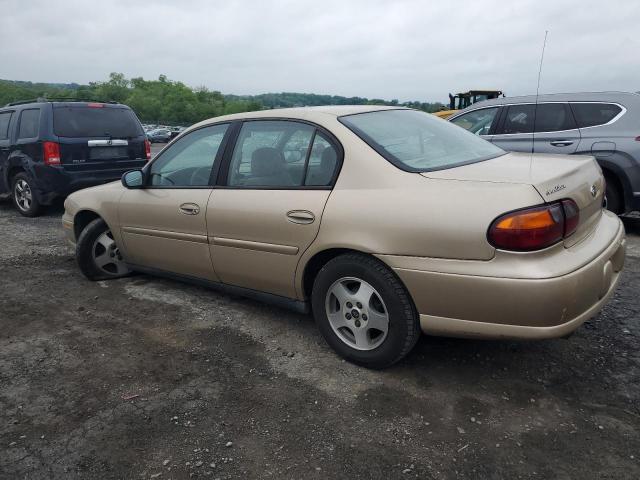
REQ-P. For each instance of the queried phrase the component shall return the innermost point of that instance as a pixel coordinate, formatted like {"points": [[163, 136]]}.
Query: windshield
{"points": [[83, 121], [419, 142]]}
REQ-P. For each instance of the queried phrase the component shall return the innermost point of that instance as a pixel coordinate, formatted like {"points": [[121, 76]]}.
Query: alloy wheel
{"points": [[357, 313], [107, 255], [23, 195]]}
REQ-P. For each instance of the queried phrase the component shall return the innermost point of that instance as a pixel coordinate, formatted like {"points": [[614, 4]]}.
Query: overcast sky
{"points": [[409, 49]]}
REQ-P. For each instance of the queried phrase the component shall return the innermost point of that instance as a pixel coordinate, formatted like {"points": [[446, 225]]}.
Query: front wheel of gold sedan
{"points": [[97, 253], [363, 311]]}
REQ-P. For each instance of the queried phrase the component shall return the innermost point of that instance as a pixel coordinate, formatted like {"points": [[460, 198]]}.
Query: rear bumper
{"points": [[55, 182], [453, 303]]}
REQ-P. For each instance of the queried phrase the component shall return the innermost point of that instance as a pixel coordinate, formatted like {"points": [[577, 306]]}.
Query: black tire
{"points": [[85, 253], [615, 201], [404, 325], [23, 182]]}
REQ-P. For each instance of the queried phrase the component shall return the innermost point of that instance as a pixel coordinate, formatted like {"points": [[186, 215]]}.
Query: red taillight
{"points": [[51, 153], [147, 148], [95, 105], [534, 228], [571, 216]]}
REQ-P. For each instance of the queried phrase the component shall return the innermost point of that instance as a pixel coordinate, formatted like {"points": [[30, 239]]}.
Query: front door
{"points": [[164, 224], [480, 122], [268, 211]]}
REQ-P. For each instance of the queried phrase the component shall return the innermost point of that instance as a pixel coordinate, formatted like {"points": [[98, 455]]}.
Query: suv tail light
{"points": [[534, 228], [51, 153], [147, 148]]}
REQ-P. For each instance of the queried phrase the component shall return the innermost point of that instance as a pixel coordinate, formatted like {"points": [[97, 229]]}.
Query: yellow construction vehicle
{"points": [[463, 100]]}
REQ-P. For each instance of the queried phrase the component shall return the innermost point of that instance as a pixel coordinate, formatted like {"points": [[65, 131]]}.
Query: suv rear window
{"points": [[84, 121], [592, 114], [417, 141]]}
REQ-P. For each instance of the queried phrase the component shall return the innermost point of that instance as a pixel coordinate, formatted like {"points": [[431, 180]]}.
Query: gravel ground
{"points": [[150, 378]]}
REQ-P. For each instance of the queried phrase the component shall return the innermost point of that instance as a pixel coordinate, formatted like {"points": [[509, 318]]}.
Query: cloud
{"points": [[407, 49]]}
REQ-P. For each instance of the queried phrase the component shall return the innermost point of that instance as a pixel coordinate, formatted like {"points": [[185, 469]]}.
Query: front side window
{"points": [[5, 119], [593, 114], [478, 121], [189, 161], [417, 141], [270, 153], [554, 117], [29, 123]]}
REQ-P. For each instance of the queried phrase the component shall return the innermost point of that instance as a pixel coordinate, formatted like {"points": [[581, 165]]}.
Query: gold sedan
{"points": [[382, 222]]}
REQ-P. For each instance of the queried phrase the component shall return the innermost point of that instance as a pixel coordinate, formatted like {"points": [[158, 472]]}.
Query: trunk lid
{"points": [[555, 177]]}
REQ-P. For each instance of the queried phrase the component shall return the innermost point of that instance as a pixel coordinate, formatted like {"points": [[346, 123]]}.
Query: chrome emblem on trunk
{"points": [[594, 190]]}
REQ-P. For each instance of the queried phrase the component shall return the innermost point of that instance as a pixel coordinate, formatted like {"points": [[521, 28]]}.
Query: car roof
{"points": [[301, 113], [560, 97], [60, 103]]}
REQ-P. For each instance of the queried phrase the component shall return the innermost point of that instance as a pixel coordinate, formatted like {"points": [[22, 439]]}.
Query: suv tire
{"points": [[352, 295], [613, 194], [24, 195], [97, 254]]}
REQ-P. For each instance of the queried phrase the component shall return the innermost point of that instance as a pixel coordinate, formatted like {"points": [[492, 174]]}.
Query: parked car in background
{"points": [[391, 222], [175, 131], [605, 125], [49, 149], [160, 135]]}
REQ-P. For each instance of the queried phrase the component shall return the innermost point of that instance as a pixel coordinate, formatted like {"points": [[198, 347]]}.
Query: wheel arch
{"points": [[319, 259], [615, 173], [83, 218]]}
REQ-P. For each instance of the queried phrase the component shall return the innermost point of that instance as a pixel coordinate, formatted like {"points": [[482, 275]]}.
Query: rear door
{"points": [[268, 210], [98, 137], [164, 224], [555, 129]]}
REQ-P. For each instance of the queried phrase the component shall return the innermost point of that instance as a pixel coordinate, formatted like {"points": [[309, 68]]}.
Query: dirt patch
{"points": [[142, 376]]}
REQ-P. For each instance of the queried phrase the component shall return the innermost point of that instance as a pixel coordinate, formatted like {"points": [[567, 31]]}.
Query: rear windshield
{"points": [[83, 121], [419, 142]]}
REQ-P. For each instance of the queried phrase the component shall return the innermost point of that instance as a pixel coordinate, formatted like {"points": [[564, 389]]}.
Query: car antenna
{"points": [[535, 107]]}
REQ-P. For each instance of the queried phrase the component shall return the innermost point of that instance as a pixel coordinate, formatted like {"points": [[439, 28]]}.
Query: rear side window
{"points": [[553, 117], [29, 123], [84, 121], [593, 114], [5, 119], [323, 160], [270, 153]]}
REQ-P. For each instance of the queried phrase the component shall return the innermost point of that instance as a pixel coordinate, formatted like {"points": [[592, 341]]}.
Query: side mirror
{"points": [[133, 179]]}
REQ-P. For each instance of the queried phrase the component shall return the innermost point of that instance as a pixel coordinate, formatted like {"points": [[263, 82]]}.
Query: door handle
{"points": [[561, 143], [302, 217], [190, 209]]}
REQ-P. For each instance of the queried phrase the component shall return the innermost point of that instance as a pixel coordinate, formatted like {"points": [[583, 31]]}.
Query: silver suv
{"points": [[604, 124]]}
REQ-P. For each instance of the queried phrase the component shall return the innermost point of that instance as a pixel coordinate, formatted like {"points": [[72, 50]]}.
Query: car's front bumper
{"points": [[544, 295]]}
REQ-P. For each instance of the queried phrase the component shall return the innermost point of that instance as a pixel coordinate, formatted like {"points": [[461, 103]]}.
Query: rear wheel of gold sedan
{"points": [[363, 311]]}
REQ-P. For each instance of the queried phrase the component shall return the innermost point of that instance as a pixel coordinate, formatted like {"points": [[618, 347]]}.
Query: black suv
{"points": [[49, 149]]}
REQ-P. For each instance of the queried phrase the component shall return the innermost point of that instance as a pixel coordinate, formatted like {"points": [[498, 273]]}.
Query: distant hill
{"points": [[166, 101]]}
